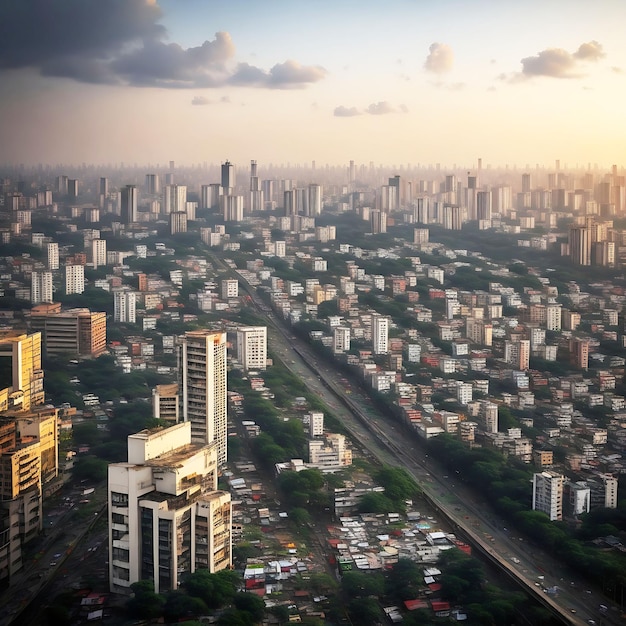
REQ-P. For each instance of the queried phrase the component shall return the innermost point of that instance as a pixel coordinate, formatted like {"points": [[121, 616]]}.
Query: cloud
{"points": [[200, 101], [380, 108], [559, 63], [440, 58], [287, 75], [342, 111], [121, 42], [617, 70], [590, 51]]}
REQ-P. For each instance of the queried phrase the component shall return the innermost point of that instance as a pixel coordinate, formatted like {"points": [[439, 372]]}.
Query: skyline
{"points": [[407, 82]]}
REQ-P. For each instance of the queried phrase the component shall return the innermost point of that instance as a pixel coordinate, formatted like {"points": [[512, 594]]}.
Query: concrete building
{"points": [[380, 333], [548, 494], [341, 339], [252, 347], [21, 374], [77, 332], [166, 517], [124, 306], [166, 403], [52, 250], [41, 289], [202, 371], [230, 288], [98, 253], [128, 198], [74, 279]]}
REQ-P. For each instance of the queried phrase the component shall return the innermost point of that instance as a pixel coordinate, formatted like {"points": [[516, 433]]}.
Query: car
{"points": [[53, 563]]}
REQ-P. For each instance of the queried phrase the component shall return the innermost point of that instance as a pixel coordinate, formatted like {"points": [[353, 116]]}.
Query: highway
{"points": [[391, 443]]}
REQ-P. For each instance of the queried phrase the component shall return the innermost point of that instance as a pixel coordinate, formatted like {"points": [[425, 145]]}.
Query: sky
{"points": [[513, 82]]}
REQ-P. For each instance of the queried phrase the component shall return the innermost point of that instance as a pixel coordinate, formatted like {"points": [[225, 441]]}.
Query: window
{"points": [[119, 499]]}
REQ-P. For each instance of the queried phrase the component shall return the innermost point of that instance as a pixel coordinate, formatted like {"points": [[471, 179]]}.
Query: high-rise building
{"points": [[21, 375], [579, 352], [548, 494], [228, 178], [98, 253], [580, 245], [74, 279], [129, 204], [166, 517], [124, 303], [517, 353], [41, 287], [178, 222], [380, 333], [152, 184], [232, 208], [53, 255], [256, 194], [202, 371], [72, 187], [174, 198], [252, 347], [315, 199], [553, 317]]}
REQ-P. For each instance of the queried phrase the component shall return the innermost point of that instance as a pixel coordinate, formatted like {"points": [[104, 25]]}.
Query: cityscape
{"points": [[276, 348]]}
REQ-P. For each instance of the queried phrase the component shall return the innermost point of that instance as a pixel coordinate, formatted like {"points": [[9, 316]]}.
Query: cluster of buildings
{"points": [[459, 357]]}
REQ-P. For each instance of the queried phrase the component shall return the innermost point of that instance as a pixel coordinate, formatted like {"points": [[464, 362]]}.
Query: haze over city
{"points": [[398, 82]]}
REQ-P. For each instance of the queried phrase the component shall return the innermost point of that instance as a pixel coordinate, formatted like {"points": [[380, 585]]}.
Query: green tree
{"points": [[145, 603], [251, 604]]}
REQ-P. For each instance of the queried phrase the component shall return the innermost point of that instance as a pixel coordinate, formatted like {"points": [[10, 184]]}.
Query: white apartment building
{"points": [[202, 372], [41, 287], [548, 494], [98, 252], [53, 256], [166, 518], [314, 421], [252, 347], [341, 339], [380, 334], [553, 317], [74, 279], [124, 306], [464, 392]]}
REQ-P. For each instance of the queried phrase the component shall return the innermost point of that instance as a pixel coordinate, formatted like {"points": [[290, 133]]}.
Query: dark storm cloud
{"points": [[38, 32], [120, 42]]}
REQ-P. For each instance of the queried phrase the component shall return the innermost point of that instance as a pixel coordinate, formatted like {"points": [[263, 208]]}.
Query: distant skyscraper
{"points": [[174, 198], [124, 306], [53, 256], [580, 245], [129, 204], [72, 187], [202, 370], [315, 199], [152, 184], [228, 177], [41, 287], [98, 252], [74, 279], [380, 333], [178, 222], [232, 208], [256, 195], [104, 186]]}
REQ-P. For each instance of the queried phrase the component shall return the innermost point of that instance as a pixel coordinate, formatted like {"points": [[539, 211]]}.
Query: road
{"points": [[392, 444]]}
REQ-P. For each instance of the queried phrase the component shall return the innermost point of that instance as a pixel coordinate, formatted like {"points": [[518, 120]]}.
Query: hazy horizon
{"points": [[407, 82]]}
